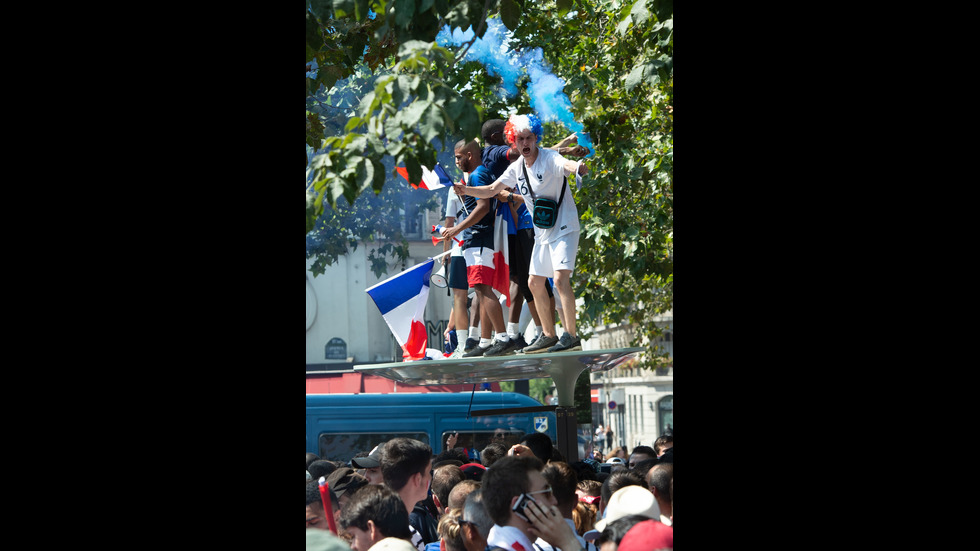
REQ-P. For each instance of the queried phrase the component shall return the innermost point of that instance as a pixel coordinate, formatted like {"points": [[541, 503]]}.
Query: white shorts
{"points": [[547, 258]]}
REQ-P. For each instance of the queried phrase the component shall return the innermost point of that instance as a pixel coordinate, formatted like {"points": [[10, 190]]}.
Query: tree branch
{"points": [[476, 35]]}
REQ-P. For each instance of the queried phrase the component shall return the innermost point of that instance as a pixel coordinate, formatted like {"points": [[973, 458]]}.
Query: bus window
{"points": [[477, 440], [342, 447]]}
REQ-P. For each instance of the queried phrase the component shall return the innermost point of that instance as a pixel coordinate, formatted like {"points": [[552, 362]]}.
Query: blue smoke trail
{"points": [[547, 95]]}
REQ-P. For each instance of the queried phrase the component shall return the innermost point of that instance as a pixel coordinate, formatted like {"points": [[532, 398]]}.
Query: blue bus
{"points": [[339, 426]]}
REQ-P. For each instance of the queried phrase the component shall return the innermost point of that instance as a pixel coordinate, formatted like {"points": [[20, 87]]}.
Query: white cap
{"points": [[630, 500]]}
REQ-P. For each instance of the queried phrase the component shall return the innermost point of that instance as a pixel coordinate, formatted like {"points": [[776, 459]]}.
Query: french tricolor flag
{"points": [[503, 225], [401, 300], [431, 179]]}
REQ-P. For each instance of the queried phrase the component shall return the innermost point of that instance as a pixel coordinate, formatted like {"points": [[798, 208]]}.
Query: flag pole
{"points": [[440, 255]]}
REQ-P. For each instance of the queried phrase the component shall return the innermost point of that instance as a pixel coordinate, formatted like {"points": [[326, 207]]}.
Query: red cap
{"points": [[648, 535]]}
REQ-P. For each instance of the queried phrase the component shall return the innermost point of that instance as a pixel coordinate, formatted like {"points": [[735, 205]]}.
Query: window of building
{"points": [[665, 413]]}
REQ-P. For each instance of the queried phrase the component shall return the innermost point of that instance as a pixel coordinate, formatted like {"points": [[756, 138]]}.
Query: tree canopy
{"points": [[384, 91]]}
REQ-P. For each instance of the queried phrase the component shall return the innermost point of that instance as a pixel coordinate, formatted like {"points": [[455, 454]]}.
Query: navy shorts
{"points": [[521, 246], [457, 273]]}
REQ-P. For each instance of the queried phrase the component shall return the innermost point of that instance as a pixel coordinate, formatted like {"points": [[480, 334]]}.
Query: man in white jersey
{"points": [[555, 248]]}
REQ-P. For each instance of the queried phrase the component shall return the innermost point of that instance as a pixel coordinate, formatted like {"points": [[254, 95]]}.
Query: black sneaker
{"points": [[500, 348], [566, 343], [470, 344], [541, 344], [476, 351], [519, 343]]}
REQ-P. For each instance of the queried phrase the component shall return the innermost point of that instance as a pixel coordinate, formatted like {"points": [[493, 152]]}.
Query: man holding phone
{"points": [[523, 507]]}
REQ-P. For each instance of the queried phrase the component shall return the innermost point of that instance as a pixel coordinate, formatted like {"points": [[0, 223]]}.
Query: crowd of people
{"points": [[401, 496]]}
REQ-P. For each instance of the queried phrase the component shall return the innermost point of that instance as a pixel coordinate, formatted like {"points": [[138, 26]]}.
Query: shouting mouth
{"points": [[526, 151]]}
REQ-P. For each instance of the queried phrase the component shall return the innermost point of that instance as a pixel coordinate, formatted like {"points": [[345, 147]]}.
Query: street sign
{"points": [[612, 405]]}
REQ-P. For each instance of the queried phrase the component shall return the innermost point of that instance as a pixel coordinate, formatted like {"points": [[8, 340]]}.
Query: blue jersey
{"points": [[479, 234], [494, 157]]}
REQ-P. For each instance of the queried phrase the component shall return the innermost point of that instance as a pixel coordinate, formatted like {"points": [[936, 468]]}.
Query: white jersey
{"points": [[453, 207], [547, 175]]}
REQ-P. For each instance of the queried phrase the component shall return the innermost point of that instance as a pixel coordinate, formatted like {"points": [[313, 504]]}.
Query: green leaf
{"points": [[624, 26], [563, 6], [640, 13], [635, 77], [412, 115], [432, 125], [510, 14]]}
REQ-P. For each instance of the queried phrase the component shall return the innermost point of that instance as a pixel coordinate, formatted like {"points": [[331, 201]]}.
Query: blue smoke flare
{"points": [[546, 91]]}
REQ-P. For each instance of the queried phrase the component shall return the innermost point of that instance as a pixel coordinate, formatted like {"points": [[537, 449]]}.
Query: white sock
{"points": [[474, 332], [526, 317], [502, 337], [485, 343], [537, 330], [461, 337], [512, 330]]}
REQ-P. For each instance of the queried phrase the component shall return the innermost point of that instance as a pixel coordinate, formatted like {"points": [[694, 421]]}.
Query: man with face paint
{"points": [[555, 248]]}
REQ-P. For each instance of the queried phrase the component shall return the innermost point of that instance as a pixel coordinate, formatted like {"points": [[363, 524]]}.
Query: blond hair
{"points": [[450, 530]]}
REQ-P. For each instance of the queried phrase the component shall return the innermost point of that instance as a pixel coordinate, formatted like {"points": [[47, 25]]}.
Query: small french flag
{"points": [[401, 300], [431, 179]]}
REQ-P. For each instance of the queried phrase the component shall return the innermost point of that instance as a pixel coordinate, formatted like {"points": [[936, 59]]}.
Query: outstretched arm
{"points": [[480, 192], [573, 167]]}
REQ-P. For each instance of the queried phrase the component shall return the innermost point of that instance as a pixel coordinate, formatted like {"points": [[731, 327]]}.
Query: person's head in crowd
{"points": [[374, 513], [475, 522], [584, 517], [659, 480], [450, 531], [663, 443], [316, 515], [640, 453], [494, 451], [406, 467], [344, 482], [452, 454], [589, 488], [643, 467], [457, 496], [556, 456], [473, 471], [630, 500], [503, 484], [589, 494], [667, 456], [583, 470], [616, 482], [615, 531], [310, 458], [444, 479], [371, 465], [563, 481], [540, 444], [493, 132], [647, 535], [321, 467]]}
